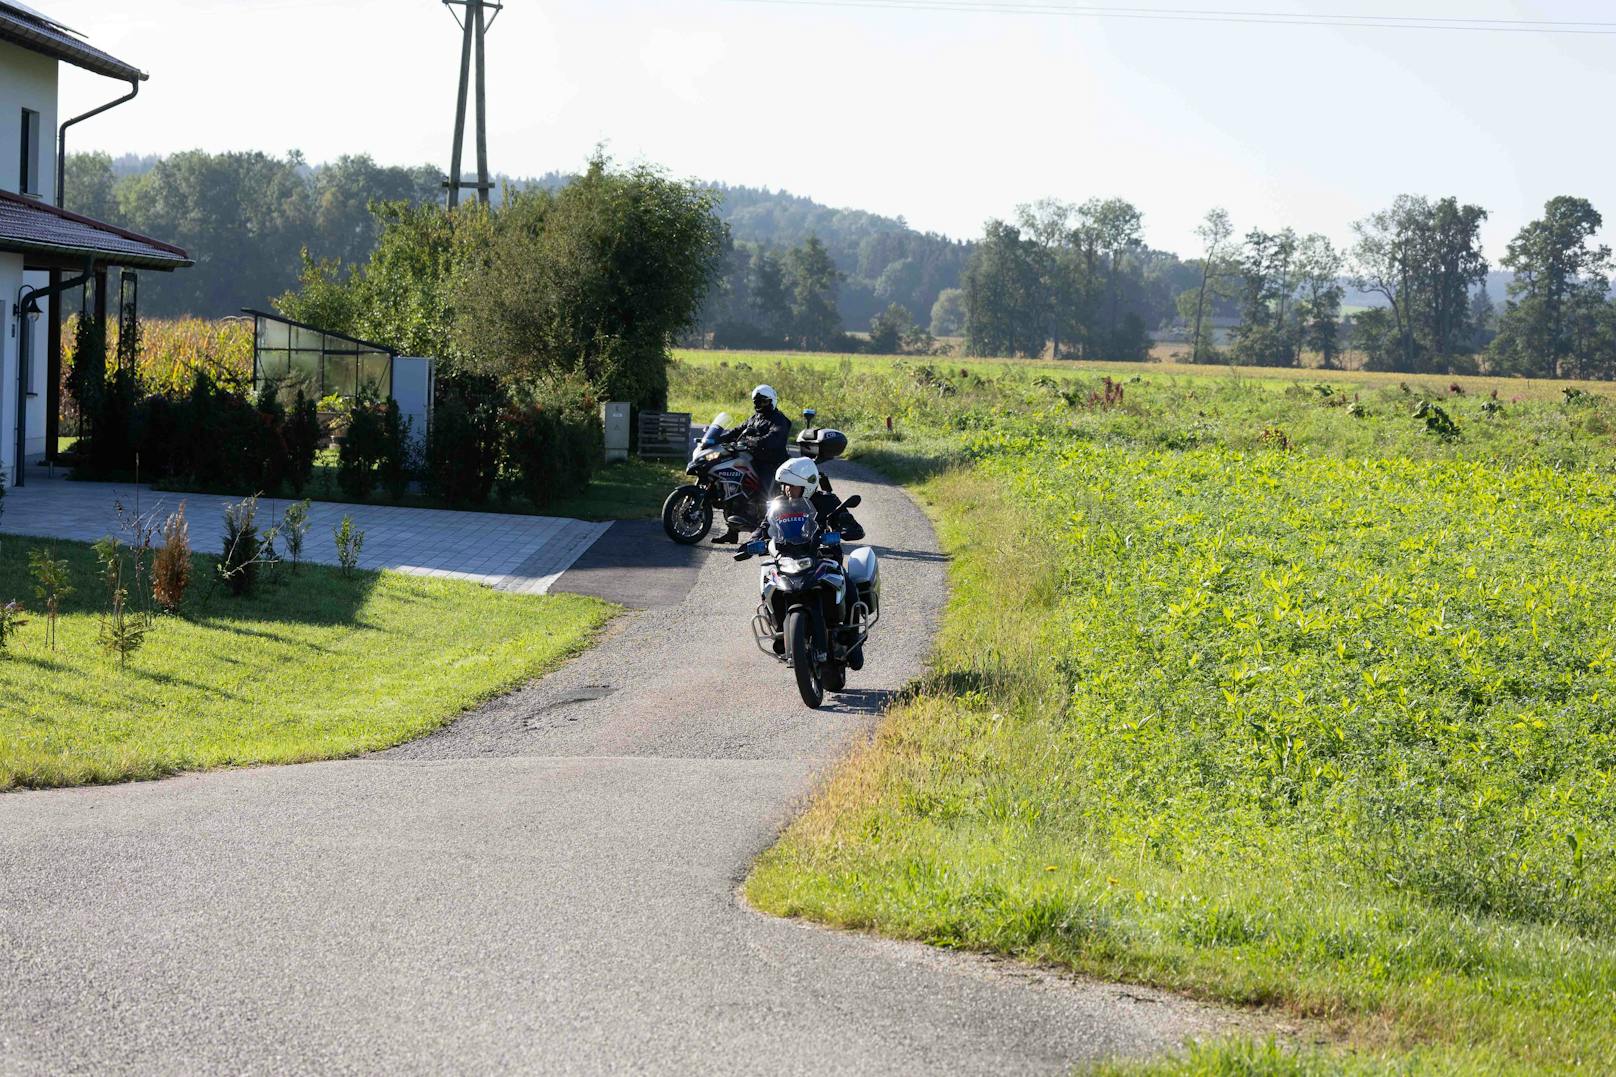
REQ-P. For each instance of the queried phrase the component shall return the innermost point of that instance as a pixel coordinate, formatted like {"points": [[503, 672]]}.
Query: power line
{"points": [[1261, 18]]}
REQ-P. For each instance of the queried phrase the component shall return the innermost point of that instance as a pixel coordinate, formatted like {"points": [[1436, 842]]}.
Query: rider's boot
{"points": [[728, 536]]}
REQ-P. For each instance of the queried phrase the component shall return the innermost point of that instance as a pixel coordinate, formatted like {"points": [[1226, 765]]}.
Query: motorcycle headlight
{"points": [[796, 565]]}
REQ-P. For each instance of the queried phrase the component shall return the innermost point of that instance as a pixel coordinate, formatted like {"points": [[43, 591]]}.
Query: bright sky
{"points": [[946, 118]]}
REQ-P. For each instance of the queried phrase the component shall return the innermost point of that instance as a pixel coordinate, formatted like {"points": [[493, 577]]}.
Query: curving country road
{"points": [[546, 886]]}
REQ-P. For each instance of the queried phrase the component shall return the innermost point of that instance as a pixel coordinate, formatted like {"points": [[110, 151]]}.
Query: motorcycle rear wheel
{"points": [[800, 646], [687, 516], [834, 677]]}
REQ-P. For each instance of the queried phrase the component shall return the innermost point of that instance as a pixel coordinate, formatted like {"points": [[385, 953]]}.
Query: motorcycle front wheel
{"points": [[800, 646], [686, 515]]}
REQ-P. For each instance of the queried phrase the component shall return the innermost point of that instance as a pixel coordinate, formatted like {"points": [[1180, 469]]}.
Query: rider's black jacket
{"points": [[770, 434]]}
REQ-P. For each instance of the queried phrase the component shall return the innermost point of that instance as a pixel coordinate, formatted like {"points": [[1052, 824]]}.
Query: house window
{"points": [[28, 167]]}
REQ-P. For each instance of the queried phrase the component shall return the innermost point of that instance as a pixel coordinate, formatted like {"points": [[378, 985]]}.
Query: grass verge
{"points": [[314, 665]]}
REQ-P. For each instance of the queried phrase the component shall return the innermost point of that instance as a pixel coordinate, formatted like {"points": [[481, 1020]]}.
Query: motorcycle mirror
{"points": [[853, 502], [832, 538]]}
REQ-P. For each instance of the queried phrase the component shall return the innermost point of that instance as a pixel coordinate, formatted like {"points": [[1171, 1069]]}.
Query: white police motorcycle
{"points": [[819, 600]]}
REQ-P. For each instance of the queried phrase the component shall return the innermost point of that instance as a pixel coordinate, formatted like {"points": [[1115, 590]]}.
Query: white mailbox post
{"points": [[614, 417]]}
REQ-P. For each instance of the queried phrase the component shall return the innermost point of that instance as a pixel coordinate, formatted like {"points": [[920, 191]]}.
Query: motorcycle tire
{"points": [[834, 677], [680, 518], [800, 646]]}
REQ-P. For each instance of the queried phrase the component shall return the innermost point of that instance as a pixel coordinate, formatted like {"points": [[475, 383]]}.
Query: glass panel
{"points": [[305, 375], [374, 372], [307, 339], [341, 375], [272, 365], [272, 334]]}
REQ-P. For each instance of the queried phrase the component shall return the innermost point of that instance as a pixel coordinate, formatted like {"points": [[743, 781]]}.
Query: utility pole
{"points": [[474, 26]]}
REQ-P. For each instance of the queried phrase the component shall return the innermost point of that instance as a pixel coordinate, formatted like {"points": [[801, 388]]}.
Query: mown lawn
{"points": [[314, 665], [1271, 696]]}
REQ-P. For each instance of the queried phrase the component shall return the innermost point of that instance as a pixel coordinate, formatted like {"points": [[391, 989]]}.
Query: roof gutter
{"points": [[61, 138]]}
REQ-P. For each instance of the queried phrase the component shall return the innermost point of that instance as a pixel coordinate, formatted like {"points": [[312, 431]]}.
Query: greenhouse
{"points": [[322, 363]]}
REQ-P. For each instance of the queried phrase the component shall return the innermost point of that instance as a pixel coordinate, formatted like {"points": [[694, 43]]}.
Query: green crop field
{"points": [[1271, 688]]}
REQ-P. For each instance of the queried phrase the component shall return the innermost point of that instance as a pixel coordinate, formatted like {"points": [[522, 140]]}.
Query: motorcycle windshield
{"points": [[792, 523], [714, 429]]}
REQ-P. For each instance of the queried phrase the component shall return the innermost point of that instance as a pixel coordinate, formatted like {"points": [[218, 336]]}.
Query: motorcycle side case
{"points": [[822, 446], [864, 572]]}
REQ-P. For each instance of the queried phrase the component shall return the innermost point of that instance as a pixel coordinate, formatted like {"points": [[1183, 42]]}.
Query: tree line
{"points": [[1071, 280], [247, 217], [1076, 281]]}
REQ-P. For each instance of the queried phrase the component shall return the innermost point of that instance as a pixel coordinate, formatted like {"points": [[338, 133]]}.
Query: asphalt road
{"points": [[549, 885]]}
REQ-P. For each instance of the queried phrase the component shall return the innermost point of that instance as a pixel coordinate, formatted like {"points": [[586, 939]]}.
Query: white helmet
{"points": [[768, 393], [798, 471]]}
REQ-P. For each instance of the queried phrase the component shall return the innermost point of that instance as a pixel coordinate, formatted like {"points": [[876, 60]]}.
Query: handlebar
{"points": [[752, 549]]}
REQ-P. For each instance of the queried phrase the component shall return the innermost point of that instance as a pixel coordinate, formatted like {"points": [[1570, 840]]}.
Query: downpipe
{"points": [[61, 137]]}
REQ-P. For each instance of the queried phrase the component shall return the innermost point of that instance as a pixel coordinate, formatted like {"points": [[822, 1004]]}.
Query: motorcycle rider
{"points": [[766, 435], [799, 478]]}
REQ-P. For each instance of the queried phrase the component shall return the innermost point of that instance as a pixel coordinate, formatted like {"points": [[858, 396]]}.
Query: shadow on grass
{"points": [[169, 680], [314, 595]]}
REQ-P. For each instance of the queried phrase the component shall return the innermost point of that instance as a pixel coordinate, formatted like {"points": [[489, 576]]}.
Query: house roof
{"points": [[32, 227], [22, 25]]}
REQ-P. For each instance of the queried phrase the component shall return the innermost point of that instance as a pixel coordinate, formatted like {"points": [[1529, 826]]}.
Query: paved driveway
{"points": [[524, 554]]}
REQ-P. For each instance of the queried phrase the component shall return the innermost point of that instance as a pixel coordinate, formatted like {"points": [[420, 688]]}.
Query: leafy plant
{"points": [[393, 465], [302, 441], [1274, 438], [1437, 421], [11, 619], [464, 443], [365, 447], [238, 566], [350, 541], [139, 529], [52, 583], [122, 630], [295, 526], [171, 571]]}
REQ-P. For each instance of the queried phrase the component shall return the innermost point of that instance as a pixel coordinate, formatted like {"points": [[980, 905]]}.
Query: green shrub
{"points": [[238, 563], [463, 447], [363, 448], [350, 544], [393, 467], [11, 619], [552, 443], [302, 441]]}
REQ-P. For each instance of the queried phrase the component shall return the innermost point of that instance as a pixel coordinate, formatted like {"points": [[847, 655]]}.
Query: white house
{"points": [[47, 254]]}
